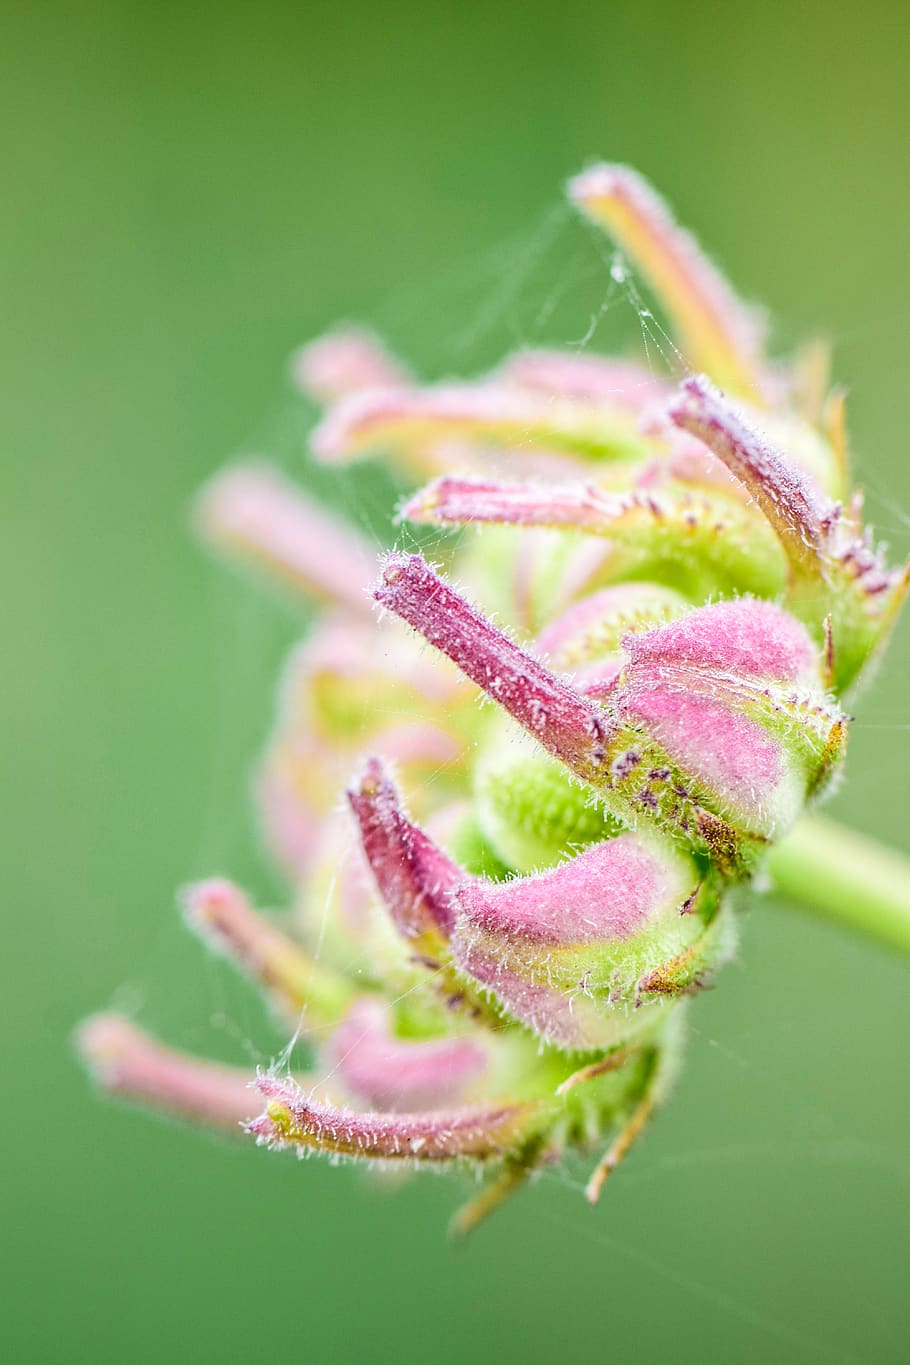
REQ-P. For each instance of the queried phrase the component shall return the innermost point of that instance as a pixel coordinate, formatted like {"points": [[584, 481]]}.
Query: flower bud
{"points": [[495, 959], [836, 574], [716, 730], [574, 953], [732, 695]]}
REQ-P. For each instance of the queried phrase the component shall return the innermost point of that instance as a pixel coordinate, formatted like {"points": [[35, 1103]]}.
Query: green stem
{"points": [[844, 876]]}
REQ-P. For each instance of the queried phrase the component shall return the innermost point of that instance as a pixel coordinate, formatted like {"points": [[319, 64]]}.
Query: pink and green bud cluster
{"points": [[498, 912]]}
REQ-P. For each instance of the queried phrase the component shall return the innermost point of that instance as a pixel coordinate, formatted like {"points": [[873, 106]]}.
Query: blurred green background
{"points": [[189, 191]]}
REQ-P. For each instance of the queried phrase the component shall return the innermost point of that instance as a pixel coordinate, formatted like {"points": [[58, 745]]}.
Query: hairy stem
{"points": [[840, 875]]}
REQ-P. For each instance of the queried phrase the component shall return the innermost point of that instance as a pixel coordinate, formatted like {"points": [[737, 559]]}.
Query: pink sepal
{"points": [[398, 1074], [254, 512], [480, 1132], [127, 1061], [414, 877], [346, 360]]}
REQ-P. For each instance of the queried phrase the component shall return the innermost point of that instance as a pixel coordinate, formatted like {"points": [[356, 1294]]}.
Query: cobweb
{"points": [[557, 284]]}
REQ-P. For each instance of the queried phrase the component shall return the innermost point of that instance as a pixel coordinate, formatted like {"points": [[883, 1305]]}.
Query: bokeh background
{"points": [[188, 192]]}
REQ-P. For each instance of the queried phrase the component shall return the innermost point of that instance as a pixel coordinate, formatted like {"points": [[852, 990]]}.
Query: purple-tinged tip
{"points": [[554, 713], [414, 877], [790, 502]]}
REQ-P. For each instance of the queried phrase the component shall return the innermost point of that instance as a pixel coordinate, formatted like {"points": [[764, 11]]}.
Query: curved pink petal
{"points": [[747, 637], [391, 1073], [607, 892], [567, 1020], [562, 951]]}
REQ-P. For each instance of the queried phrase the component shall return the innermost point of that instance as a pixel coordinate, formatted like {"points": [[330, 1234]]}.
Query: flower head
{"points": [[493, 939]]}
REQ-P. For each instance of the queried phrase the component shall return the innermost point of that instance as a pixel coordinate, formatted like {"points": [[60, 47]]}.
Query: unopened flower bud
{"points": [[573, 952], [500, 925]]}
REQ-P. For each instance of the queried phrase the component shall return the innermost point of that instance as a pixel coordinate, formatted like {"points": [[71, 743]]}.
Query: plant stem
{"points": [[840, 875]]}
